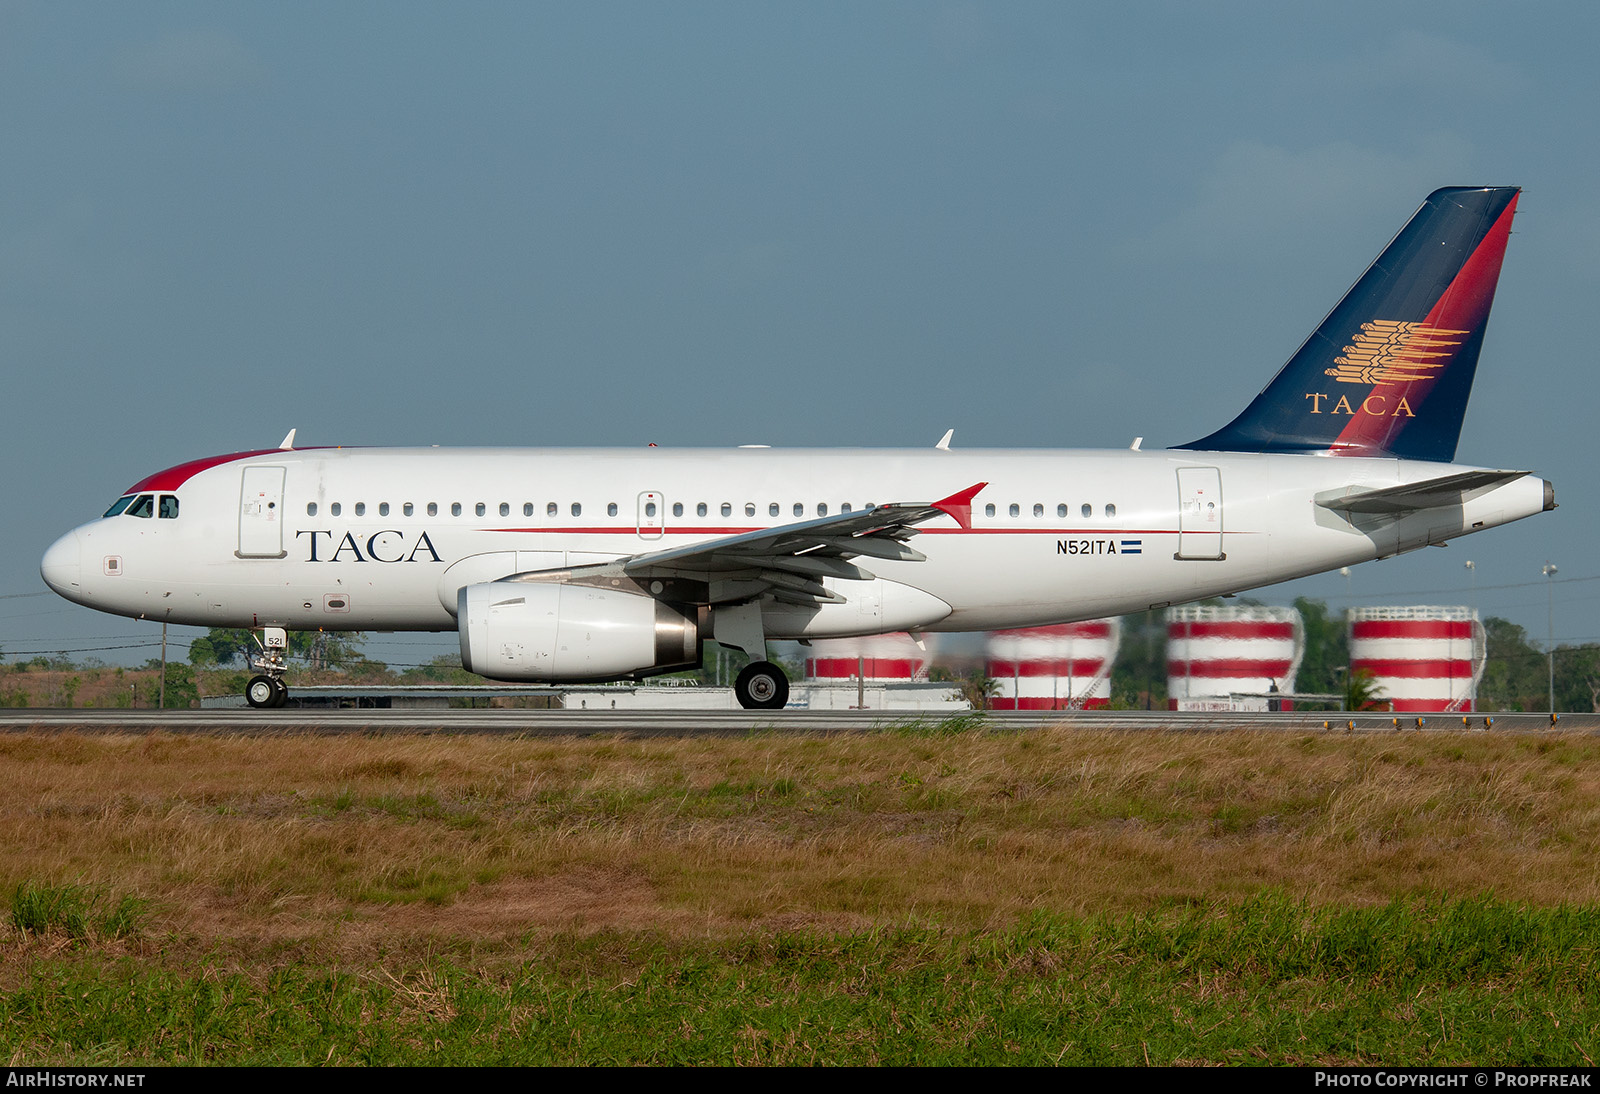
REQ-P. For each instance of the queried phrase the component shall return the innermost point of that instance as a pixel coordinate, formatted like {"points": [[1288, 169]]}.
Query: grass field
{"points": [[910, 897]]}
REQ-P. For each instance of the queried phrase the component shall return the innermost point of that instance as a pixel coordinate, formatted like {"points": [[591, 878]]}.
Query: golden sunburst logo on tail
{"points": [[1389, 352]]}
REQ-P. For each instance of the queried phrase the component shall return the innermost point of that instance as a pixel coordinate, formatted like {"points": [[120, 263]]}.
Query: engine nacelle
{"points": [[516, 630]]}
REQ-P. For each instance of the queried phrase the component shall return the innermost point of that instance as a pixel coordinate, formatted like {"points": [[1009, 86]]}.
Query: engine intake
{"points": [[546, 631]]}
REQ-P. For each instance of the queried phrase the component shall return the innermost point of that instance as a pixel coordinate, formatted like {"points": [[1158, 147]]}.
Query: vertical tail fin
{"points": [[1388, 372]]}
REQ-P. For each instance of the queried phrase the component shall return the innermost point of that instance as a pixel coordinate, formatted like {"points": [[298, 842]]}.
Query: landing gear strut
{"points": [[266, 688], [761, 686]]}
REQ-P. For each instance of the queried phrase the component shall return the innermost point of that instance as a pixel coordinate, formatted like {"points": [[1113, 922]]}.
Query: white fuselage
{"points": [[381, 539]]}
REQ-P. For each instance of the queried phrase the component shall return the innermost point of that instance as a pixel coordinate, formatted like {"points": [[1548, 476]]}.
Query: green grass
{"points": [[77, 912], [915, 896], [1266, 980]]}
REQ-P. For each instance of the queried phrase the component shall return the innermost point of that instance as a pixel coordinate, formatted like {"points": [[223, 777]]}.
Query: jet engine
{"points": [[518, 630]]}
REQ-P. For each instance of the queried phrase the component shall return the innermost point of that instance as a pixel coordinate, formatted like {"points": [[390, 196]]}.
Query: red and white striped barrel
{"points": [[876, 657], [1421, 658], [1066, 667], [1231, 658]]}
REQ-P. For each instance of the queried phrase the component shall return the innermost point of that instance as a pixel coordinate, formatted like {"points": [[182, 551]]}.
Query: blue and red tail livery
{"points": [[1388, 372]]}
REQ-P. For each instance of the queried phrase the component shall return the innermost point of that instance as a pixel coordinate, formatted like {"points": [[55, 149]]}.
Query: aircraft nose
{"points": [[62, 566]]}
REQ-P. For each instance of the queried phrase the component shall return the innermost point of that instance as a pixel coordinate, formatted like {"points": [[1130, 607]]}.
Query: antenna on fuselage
{"points": [[288, 442]]}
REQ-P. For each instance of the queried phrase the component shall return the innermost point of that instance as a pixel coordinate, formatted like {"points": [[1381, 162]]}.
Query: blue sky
{"points": [[1044, 225]]}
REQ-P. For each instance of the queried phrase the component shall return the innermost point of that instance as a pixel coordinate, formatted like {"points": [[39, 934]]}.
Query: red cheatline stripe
{"points": [[1060, 666], [1098, 628], [1240, 629], [1411, 628], [1415, 670], [623, 530], [877, 668], [1228, 670]]}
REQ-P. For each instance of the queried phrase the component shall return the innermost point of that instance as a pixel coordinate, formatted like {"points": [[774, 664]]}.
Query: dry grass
{"points": [[363, 843]]}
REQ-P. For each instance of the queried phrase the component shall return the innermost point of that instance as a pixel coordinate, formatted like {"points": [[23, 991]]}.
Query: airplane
{"points": [[604, 564]]}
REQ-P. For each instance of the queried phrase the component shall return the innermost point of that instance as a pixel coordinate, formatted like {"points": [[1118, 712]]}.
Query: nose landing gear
{"points": [[264, 691], [266, 688]]}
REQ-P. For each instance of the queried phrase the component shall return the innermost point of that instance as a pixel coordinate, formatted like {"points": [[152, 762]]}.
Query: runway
{"points": [[677, 723]]}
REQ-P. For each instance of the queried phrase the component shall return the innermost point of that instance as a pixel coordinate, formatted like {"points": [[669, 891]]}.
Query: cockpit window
{"points": [[169, 507], [119, 505], [143, 506]]}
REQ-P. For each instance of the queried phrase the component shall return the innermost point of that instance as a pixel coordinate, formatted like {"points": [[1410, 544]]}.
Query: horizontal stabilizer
{"points": [[1427, 494]]}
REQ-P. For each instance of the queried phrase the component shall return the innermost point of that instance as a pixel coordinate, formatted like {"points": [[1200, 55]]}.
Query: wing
{"points": [[788, 562]]}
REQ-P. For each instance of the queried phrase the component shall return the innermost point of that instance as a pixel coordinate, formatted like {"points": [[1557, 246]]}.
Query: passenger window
{"points": [[727, 509], [611, 509], [480, 509], [527, 508], [749, 508], [1087, 510], [408, 509], [383, 508], [845, 508], [649, 508], [773, 510], [1111, 510], [311, 508], [799, 509], [577, 508], [505, 509], [455, 509], [988, 510], [335, 508], [169, 507], [822, 508], [361, 508], [550, 510], [677, 508], [700, 510], [1038, 510], [1015, 509], [1061, 510], [433, 508]]}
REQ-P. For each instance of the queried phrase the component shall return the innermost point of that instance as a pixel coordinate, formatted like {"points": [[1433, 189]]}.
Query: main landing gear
{"points": [[761, 686], [266, 688]]}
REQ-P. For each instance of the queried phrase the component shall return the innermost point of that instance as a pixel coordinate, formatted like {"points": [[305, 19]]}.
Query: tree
{"points": [[1139, 676], [1515, 675], [321, 649], [181, 692], [1327, 652], [974, 685], [1361, 691]]}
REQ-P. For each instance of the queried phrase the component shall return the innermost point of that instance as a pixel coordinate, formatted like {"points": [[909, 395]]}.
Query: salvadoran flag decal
{"points": [[1132, 547]]}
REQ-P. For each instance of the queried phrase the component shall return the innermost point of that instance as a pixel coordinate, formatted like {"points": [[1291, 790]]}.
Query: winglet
{"points": [[960, 505], [288, 442], [944, 442]]}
